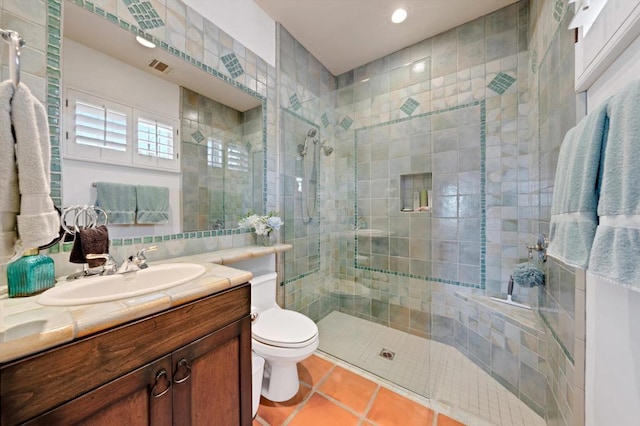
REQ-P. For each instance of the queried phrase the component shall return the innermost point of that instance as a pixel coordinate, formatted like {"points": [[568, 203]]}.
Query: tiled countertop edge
{"points": [[30, 328]]}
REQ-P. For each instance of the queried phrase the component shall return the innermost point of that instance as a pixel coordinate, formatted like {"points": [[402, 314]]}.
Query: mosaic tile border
{"points": [[144, 13], [54, 99], [483, 216], [54, 94], [317, 269], [120, 242]]}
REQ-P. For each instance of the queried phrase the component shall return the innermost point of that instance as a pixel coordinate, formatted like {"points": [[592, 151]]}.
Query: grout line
{"points": [[298, 408], [376, 379], [360, 416], [370, 404]]}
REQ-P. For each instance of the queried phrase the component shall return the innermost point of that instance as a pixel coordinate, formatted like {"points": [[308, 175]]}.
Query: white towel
{"points": [[9, 195], [38, 221]]}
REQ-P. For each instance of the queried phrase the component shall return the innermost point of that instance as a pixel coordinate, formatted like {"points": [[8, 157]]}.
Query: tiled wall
{"points": [[505, 341], [556, 108], [215, 196], [305, 89], [456, 69], [301, 195], [562, 309], [486, 60], [444, 244]]}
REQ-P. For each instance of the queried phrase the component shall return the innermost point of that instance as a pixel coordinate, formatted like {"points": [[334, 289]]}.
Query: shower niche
{"points": [[415, 192]]}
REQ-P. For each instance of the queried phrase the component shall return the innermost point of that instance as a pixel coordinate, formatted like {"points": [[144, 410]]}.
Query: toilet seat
{"points": [[284, 328]]}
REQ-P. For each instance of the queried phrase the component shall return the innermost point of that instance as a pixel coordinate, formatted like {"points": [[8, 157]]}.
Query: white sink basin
{"points": [[121, 286]]}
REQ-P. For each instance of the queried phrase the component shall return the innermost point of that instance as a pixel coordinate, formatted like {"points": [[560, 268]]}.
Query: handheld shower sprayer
{"points": [[311, 134]]}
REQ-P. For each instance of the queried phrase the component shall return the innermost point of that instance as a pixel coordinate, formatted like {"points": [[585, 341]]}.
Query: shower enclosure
{"points": [[389, 235]]}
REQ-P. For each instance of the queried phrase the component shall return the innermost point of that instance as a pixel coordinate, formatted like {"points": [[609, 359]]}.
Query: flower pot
{"points": [[268, 239]]}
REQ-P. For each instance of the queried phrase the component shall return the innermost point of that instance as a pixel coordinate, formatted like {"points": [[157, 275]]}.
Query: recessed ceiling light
{"points": [[146, 43], [419, 67], [399, 15]]}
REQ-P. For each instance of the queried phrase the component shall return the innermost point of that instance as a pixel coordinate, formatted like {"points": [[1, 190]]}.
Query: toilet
{"points": [[280, 336]]}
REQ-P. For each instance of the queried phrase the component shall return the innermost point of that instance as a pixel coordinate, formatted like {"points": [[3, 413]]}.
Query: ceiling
{"points": [[344, 34], [100, 34]]}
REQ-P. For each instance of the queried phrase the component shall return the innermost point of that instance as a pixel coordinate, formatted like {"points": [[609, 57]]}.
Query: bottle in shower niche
{"points": [[33, 273], [416, 200]]}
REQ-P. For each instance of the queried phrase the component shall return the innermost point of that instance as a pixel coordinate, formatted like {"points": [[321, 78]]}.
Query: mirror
{"points": [[220, 137]]}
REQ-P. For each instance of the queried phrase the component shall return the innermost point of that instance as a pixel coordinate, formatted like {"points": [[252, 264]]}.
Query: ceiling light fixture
{"points": [[399, 15], [419, 67], [146, 43]]}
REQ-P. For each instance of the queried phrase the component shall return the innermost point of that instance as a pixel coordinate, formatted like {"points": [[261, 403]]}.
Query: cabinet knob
{"points": [[184, 369], [161, 376]]}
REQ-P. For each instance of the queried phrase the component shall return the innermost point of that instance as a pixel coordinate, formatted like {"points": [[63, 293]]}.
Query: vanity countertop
{"points": [[29, 327]]}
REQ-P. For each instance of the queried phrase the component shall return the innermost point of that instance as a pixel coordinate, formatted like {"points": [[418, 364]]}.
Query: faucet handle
{"points": [[110, 266], [140, 259], [145, 249]]}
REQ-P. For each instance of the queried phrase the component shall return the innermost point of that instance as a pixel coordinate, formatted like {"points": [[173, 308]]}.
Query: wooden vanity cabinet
{"points": [[190, 365]]}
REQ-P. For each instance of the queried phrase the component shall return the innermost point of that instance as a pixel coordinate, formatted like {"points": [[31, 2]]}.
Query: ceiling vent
{"points": [[160, 66]]}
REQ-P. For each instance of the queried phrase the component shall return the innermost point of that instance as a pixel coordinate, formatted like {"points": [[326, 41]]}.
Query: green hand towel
{"points": [[118, 200], [152, 204]]}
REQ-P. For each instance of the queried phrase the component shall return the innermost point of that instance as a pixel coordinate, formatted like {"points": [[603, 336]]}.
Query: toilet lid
{"points": [[283, 328]]}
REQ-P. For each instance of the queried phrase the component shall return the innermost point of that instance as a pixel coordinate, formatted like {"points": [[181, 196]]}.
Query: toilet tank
{"points": [[256, 265], [263, 291], [263, 283]]}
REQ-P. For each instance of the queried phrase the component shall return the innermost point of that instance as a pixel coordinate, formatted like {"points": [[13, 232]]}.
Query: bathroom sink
{"points": [[121, 286]]}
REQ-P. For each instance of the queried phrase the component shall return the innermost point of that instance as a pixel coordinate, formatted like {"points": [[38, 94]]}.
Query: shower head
{"points": [[327, 150], [312, 133]]}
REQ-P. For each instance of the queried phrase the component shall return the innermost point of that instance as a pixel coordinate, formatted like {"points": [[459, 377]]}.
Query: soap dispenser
{"points": [[31, 274]]}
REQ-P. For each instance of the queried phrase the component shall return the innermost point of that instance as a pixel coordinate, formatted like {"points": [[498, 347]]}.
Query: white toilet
{"points": [[280, 336]]}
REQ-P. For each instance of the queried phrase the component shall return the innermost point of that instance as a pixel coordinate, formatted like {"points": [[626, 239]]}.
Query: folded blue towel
{"points": [[152, 204], [575, 193], [118, 200], [614, 255]]}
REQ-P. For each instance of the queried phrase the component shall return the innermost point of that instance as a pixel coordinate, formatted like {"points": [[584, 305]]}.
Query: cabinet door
{"points": [[212, 378], [142, 397]]}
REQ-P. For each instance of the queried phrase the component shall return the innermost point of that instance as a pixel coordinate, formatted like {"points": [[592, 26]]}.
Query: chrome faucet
{"points": [[110, 266], [137, 262], [140, 260]]}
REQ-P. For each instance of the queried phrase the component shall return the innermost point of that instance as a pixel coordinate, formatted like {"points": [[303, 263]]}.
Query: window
{"points": [[104, 131], [155, 145], [237, 158], [99, 126], [155, 139], [214, 153]]}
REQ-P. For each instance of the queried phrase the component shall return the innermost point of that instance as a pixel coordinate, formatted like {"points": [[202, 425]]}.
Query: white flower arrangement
{"points": [[263, 225]]}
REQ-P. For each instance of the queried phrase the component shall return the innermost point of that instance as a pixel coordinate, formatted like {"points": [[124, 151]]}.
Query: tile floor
{"points": [[333, 394], [427, 368]]}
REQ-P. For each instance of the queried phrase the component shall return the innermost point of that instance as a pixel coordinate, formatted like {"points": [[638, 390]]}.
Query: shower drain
{"points": [[387, 354]]}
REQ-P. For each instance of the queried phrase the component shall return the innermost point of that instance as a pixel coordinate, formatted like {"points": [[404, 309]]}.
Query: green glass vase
{"points": [[33, 273]]}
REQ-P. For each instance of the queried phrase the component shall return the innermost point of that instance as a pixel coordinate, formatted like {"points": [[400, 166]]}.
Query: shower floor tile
{"points": [[425, 367]]}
